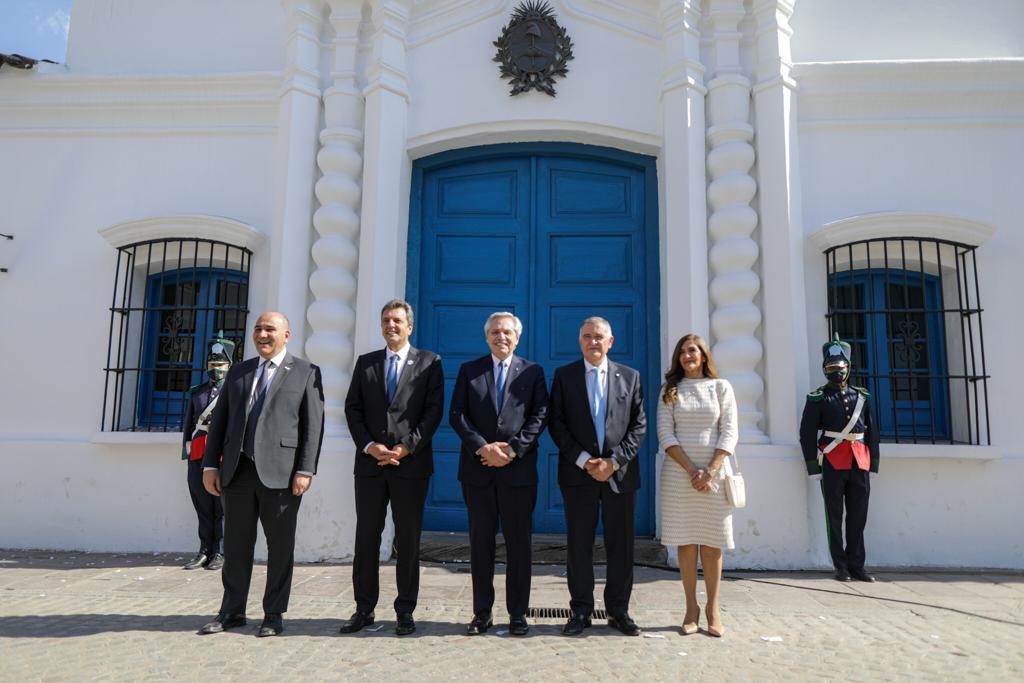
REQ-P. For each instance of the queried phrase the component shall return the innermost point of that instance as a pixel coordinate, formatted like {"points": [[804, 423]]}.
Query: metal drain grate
{"points": [[560, 613]]}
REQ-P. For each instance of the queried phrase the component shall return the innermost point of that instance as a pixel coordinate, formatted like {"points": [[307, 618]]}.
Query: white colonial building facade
{"points": [[762, 172]]}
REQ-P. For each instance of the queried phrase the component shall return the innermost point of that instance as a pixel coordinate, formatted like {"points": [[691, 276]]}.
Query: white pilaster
{"points": [[295, 166], [386, 170], [734, 254], [332, 315], [683, 192], [782, 239]]}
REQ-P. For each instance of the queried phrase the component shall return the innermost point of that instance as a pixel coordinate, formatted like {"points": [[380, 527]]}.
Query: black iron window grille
{"points": [[171, 296], [911, 310]]}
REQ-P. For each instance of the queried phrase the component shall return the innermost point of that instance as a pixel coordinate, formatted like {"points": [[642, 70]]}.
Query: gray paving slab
{"points": [[80, 616]]}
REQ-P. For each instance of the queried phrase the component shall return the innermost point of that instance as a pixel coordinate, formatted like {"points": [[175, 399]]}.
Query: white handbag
{"points": [[735, 487]]}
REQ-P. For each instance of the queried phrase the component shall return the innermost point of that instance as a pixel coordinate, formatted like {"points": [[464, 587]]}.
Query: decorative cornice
{"points": [[636, 19], [431, 20], [198, 226], [895, 224], [533, 130], [65, 103], [210, 90], [920, 76]]}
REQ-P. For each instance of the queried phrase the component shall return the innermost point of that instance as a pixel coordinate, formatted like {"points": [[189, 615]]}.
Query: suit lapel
{"points": [[404, 376], [376, 375], [280, 376], [248, 377], [614, 391], [490, 381]]}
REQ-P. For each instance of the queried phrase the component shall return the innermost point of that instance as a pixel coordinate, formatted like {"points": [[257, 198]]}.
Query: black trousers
{"points": [[246, 500], [406, 497], [847, 489], [512, 507], [209, 511], [582, 505]]}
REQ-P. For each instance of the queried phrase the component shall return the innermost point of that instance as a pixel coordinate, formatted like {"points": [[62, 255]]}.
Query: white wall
{"points": [[184, 36], [944, 139], [94, 150], [865, 30], [612, 87]]}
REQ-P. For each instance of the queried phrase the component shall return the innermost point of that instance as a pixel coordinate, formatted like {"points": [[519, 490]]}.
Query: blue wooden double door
{"points": [[554, 233]]}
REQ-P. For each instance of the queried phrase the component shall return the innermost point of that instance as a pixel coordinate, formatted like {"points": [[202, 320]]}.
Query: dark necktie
{"points": [[392, 378], [499, 385], [255, 408]]}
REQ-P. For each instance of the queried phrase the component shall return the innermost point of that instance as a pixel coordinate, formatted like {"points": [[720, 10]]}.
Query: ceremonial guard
{"points": [[201, 400], [840, 447]]}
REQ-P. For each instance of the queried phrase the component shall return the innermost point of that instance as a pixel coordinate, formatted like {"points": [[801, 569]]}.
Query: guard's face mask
{"points": [[837, 372], [217, 372]]}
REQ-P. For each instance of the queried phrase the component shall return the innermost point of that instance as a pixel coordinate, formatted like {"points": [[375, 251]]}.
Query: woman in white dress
{"points": [[697, 429]]}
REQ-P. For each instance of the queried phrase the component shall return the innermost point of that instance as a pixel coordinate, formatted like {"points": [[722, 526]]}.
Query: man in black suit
{"points": [[394, 405], [597, 421], [261, 454], [499, 409]]}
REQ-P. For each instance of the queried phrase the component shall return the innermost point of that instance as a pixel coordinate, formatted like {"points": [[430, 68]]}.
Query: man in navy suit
{"points": [[499, 409], [597, 421], [394, 405], [261, 454]]}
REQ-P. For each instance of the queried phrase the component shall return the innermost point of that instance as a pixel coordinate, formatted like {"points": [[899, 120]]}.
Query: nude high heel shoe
{"points": [[715, 630], [690, 625]]}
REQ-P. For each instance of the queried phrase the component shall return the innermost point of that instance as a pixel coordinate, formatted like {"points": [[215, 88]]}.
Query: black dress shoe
{"points": [[271, 626], [518, 626], [842, 575], [197, 562], [405, 624], [357, 622], [481, 622], [575, 625], [216, 562], [222, 623], [862, 575], [624, 624]]}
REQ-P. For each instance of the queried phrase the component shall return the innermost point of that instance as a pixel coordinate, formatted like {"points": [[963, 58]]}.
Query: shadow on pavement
{"points": [[878, 598]]}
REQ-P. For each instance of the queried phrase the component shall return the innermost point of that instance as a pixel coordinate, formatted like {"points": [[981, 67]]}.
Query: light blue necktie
{"points": [[392, 378], [499, 385], [600, 407]]}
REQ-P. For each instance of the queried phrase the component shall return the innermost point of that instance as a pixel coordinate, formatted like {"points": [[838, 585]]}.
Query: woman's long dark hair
{"points": [[676, 373]]}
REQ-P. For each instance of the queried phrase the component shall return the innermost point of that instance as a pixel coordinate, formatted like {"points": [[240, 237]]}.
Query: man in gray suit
{"points": [[261, 454]]}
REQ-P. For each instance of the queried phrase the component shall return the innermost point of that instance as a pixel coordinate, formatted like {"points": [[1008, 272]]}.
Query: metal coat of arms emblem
{"points": [[533, 49]]}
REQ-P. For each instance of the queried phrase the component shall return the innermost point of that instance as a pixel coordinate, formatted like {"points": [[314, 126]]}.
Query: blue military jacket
{"points": [[829, 408]]}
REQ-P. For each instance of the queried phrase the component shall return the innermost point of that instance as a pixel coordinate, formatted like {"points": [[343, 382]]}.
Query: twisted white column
{"points": [[734, 254], [332, 314]]}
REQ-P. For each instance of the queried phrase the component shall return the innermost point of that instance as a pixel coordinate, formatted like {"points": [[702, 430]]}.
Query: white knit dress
{"points": [[702, 419]]}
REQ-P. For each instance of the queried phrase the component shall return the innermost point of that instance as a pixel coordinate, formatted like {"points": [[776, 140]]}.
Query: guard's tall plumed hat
{"points": [[219, 349], [836, 351]]}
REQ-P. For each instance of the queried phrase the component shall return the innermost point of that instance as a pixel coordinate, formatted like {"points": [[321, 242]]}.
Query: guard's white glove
{"points": [[815, 477]]}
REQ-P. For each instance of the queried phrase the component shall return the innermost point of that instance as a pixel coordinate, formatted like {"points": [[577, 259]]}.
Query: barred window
{"points": [[170, 297], [911, 310]]}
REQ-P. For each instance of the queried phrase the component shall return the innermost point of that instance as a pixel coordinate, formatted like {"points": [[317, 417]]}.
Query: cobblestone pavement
{"points": [[79, 616]]}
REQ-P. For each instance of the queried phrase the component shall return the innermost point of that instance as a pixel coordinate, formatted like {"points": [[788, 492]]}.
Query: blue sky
{"points": [[35, 28]]}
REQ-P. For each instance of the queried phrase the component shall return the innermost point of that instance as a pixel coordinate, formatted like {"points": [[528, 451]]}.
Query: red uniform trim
{"points": [[842, 456]]}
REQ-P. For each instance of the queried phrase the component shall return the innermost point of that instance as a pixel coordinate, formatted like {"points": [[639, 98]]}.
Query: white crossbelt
{"points": [[846, 434], [844, 437]]}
